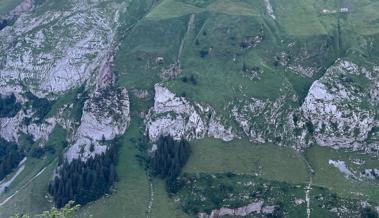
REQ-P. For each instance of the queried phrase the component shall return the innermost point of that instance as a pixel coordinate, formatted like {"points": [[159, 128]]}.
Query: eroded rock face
{"points": [[176, 116], [339, 107], [81, 35], [55, 50], [266, 120], [10, 127], [105, 116], [253, 208]]}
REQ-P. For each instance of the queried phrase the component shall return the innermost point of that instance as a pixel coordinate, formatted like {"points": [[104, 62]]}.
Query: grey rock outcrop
{"points": [[253, 208], [176, 116], [265, 120], [105, 116], [81, 35], [339, 107]]}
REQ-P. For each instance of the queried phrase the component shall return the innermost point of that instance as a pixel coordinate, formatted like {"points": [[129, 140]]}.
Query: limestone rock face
{"points": [[253, 208], [81, 34], [105, 116], [41, 131], [176, 116], [264, 120], [339, 107], [12, 127]]}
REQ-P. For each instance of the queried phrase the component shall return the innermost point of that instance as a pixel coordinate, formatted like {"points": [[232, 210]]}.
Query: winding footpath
{"points": [[151, 200], [308, 188], [189, 27]]}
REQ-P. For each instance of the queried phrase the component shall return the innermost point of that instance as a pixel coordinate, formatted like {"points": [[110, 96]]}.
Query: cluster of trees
{"points": [[369, 212], [169, 159], [9, 106], [41, 106], [190, 79], [10, 157], [82, 181], [3, 24]]}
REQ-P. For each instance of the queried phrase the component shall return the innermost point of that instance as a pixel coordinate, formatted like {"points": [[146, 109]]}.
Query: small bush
{"points": [[9, 106]]}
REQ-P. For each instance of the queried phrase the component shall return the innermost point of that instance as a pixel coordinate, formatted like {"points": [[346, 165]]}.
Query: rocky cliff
{"points": [[105, 116], [176, 116], [342, 106]]}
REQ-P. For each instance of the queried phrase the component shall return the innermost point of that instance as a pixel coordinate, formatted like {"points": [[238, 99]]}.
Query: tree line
{"points": [[169, 159], [84, 181], [10, 157]]}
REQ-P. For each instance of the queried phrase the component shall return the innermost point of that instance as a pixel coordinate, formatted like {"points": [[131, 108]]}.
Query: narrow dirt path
{"points": [[189, 26], [151, 200], [24, 186], [308, 188], [308, 198]]}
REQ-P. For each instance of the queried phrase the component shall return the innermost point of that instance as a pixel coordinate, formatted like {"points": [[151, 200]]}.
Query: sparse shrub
{"points": [[41, 106], [37, 152], [310, 127], [3, 24], [193, 80], [184, 79], [204, 53], [9, 106], [369, 212]]}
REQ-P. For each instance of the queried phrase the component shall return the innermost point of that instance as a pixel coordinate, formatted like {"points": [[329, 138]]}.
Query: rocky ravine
{"points": [[176, 116]]}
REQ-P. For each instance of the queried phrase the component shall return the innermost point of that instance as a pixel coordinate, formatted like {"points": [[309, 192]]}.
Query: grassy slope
{"points": [[30, 187], [131, 194], [159, 33], [8, 5], [241, 157], [219, 77], [329, 177], [30, 195]]}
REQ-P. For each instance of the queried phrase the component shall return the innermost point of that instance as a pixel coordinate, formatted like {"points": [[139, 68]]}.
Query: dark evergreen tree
{"points": [[82, 181], [169, 159], [9, 106], [10, 157]]}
